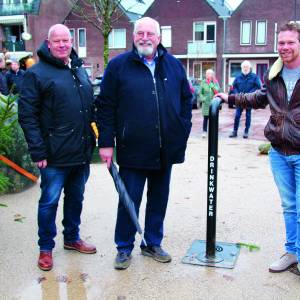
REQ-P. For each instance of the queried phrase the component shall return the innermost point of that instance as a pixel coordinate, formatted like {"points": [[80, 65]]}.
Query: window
{"points": [[261, 32], [246, 31], [14, 1], [235, 69], [72, 31], [197, 70], [210, 33], [205, 31], [117, 39], [81, 42], [207, 65], [166, 36], [199, 31]]}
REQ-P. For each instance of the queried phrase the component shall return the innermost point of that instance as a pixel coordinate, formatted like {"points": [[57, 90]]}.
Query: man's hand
{"points": [[106, 154], [42, 164], [223, 96]]}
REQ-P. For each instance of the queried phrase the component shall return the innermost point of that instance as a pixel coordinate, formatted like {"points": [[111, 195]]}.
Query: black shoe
{"points": [[233, 134], [245, 135], [157, 253], [122, 260]]}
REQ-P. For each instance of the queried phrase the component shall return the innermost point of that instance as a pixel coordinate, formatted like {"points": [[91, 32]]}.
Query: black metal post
{"points": [[212, 177]]}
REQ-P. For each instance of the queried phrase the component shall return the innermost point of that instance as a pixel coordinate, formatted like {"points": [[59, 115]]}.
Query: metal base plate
{"points": [[226, 255]]}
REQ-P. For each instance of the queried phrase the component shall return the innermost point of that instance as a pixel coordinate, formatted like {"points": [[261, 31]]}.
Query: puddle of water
{"points": [[61, 287]]}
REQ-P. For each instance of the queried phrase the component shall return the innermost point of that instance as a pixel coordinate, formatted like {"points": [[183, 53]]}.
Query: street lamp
{"points": [[26, 36]]}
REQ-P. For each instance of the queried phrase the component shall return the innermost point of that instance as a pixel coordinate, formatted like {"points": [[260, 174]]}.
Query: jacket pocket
{"points": [[273, 130], [63, 141], [135, 133]]}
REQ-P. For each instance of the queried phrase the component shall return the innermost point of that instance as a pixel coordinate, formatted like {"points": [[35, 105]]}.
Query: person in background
{"points": [[282, 92], [246, 82], [14, 76], [55, 112], [209, 87], [3, 81]]}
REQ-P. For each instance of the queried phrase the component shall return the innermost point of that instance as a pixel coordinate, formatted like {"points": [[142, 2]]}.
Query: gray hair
{"points": [[156, 24], [56, 26], [210, 71], [246, 63]]}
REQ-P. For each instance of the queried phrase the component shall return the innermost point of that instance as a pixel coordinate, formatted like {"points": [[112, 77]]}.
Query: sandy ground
{"points": [[248, 211]]}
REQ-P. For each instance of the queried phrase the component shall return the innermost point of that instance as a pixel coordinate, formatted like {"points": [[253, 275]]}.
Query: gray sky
{"points": [[234, 3]]}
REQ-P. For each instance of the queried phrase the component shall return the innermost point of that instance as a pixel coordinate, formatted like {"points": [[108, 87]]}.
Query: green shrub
{"points": [[14, 147]]}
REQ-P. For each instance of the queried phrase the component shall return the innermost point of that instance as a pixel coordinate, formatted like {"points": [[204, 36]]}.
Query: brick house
{"points": [[88, 41], [192, 30], [29, 16], [251, 34]]}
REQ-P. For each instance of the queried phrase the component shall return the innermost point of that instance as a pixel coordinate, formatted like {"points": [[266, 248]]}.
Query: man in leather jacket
{"points": [[282, 92]]}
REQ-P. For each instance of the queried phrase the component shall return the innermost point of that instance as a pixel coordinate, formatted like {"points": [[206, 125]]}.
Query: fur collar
{"points": [[276, 68]]}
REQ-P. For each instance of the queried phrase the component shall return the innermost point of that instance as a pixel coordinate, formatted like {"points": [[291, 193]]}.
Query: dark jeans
{"points": [[158, 182], [53, 180], [205, 123], [238, 113]]}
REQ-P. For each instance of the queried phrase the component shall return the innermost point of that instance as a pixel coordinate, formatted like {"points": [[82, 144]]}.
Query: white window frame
{"points": [[275, 38], [205, 31], [256, 32], [162, 28], [112, 34], [197, 63], [241, 33], [81, 50], [74, 37]]}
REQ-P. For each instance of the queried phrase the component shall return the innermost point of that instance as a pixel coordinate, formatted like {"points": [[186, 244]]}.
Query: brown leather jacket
{"points": [[283, 127]]}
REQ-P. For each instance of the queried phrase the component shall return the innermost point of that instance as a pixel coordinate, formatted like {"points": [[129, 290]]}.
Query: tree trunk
{"points": [[105, 50]]}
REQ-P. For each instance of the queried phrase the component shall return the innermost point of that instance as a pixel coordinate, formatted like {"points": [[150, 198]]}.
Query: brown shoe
{"points": [[81, 247], [45, 261]]}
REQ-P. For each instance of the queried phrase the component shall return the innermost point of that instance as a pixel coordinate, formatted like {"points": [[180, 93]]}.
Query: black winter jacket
{"points": [[56, 109], [14, 78], [150, 118]]}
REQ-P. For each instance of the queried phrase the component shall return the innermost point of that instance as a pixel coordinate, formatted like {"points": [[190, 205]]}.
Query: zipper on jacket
{"points": [[158, 112]]}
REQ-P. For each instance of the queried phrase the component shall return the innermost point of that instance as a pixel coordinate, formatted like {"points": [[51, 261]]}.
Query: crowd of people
{"points": [[12, 71], [143, 113]]}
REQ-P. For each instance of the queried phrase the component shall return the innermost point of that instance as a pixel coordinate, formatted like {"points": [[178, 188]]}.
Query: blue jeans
{"points": [[238, 113], [157, 200], [53, 180], [286, 172]]}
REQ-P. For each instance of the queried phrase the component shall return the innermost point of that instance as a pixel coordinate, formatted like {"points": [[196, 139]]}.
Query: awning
{"points": [[18, 19], [250, 55], [18, 54]]}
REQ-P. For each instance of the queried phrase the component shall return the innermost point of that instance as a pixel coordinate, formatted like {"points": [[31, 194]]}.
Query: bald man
{"points": [[145, 106], [55, 112]]}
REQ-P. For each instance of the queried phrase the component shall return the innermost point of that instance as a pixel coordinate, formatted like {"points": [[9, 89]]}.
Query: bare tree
{"points": [[102, 14]]}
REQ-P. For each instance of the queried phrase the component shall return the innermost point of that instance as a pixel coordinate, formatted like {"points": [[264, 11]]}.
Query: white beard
{"points": [[145, 51]]}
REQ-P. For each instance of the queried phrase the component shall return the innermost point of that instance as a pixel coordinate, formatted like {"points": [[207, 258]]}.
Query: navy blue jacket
{"points": [[56, 109], [150, 118], [246, 83], [16, 78], [3, 83]]}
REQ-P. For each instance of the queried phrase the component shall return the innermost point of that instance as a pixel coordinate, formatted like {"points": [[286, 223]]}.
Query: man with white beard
{"points": [[144, 110]]}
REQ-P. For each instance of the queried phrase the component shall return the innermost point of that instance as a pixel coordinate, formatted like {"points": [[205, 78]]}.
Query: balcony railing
{"points": [[14, 47], [20, 9], [201, 48]]}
